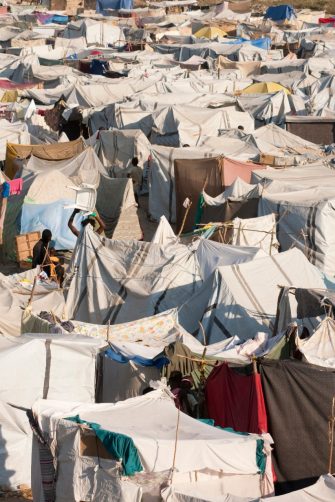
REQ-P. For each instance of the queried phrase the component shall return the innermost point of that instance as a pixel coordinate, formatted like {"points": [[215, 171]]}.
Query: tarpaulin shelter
{"points": [[319, 348], [323, 491], [305, 221], [210, 32], [239, 200], [104, 5], [265, 88], [15, 294], [242, 299], [33, 367], [56, 151], [280, 13], [45, 193], [116, 148], [150, 449], [211, 175], [130, 279]]}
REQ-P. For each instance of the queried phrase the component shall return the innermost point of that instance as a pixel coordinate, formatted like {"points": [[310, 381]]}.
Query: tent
{"points": [[265, 88], [200, 447], [323, 491], [242, 299], [45, 195], [130, 279], [57, 151], [212, 175], [34, 367], [15, 293], [280, 13], [210, 32], [304, 220]]}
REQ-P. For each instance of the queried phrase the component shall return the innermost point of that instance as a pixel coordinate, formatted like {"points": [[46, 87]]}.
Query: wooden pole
{"points": [[331, 424], [184, 219]]}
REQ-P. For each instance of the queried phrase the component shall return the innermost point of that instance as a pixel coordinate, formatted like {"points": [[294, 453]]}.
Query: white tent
{"points": [[202, 451], [33, 367], [241, 300], [322, 491], [305, 220]]}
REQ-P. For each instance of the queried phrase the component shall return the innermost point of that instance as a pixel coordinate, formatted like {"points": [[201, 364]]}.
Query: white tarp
{"points": [[241, 300], [33, 367], [258, 232], [319, 348], [120, 281], [305, 219], [200, 447]]}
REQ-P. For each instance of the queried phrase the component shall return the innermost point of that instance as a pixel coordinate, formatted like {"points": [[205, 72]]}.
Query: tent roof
{"points": [[200, 446]]}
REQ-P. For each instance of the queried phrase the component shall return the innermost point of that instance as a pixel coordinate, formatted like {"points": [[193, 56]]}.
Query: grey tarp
{"points": [[119, 281]]}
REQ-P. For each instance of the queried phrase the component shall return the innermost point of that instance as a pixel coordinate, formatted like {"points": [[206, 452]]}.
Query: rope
{"points": [[175, 447]]}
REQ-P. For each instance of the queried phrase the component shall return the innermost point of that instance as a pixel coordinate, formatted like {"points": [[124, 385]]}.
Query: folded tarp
{"points": [[56, 151]]}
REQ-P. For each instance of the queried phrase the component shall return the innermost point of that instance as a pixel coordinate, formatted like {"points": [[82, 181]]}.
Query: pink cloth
{"points": [[15, 186]]}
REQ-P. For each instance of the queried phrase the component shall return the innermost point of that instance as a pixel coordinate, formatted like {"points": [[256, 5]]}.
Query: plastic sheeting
{"points": [[33, 368], [242, 299]]}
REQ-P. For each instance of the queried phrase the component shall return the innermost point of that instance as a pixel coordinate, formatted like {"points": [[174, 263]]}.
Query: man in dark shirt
{"points": [[40, 255]]}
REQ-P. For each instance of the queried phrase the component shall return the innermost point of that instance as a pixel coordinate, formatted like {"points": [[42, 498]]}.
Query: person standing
{"points": [[40, 252]]}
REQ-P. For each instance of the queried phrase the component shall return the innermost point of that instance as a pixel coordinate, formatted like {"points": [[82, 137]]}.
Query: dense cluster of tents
{"points": [[194, 362]]}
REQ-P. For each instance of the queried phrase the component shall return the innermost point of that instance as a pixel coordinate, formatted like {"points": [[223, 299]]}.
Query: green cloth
{"points": [[260, 456], [200, 208], [282, 350], [120, 446]]}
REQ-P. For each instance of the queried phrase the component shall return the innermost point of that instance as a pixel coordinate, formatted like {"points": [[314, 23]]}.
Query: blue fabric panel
{"points": [[102, 5], [158, 361], [53, 216], [280, 12]]}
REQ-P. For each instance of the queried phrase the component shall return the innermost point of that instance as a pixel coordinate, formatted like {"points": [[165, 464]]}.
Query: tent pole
{"points": [[331, 426]]}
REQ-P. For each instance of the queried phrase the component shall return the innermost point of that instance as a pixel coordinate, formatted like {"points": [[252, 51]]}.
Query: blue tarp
{"points": [[280, 13], [57, 19], [103, 5], [159, 361], [262, 43], [36, 217]]}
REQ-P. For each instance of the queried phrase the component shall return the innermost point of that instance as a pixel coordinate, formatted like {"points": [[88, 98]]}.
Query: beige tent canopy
{"points": [[55, 151]]}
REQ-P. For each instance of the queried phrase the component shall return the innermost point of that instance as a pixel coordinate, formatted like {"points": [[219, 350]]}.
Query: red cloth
{"points": [[236, 401], [15, 186], [237, 169], [327, 20]]}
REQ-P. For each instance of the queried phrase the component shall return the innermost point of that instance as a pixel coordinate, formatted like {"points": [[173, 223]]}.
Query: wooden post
{"points": [[331, 426]]}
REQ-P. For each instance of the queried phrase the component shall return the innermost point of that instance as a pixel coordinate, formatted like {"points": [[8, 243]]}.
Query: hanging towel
{"points": [[120, 446], [15, 186], [5, 190]]}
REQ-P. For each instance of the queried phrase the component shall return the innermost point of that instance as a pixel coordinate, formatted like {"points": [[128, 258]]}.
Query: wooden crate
{"points": [[24, 248]]}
